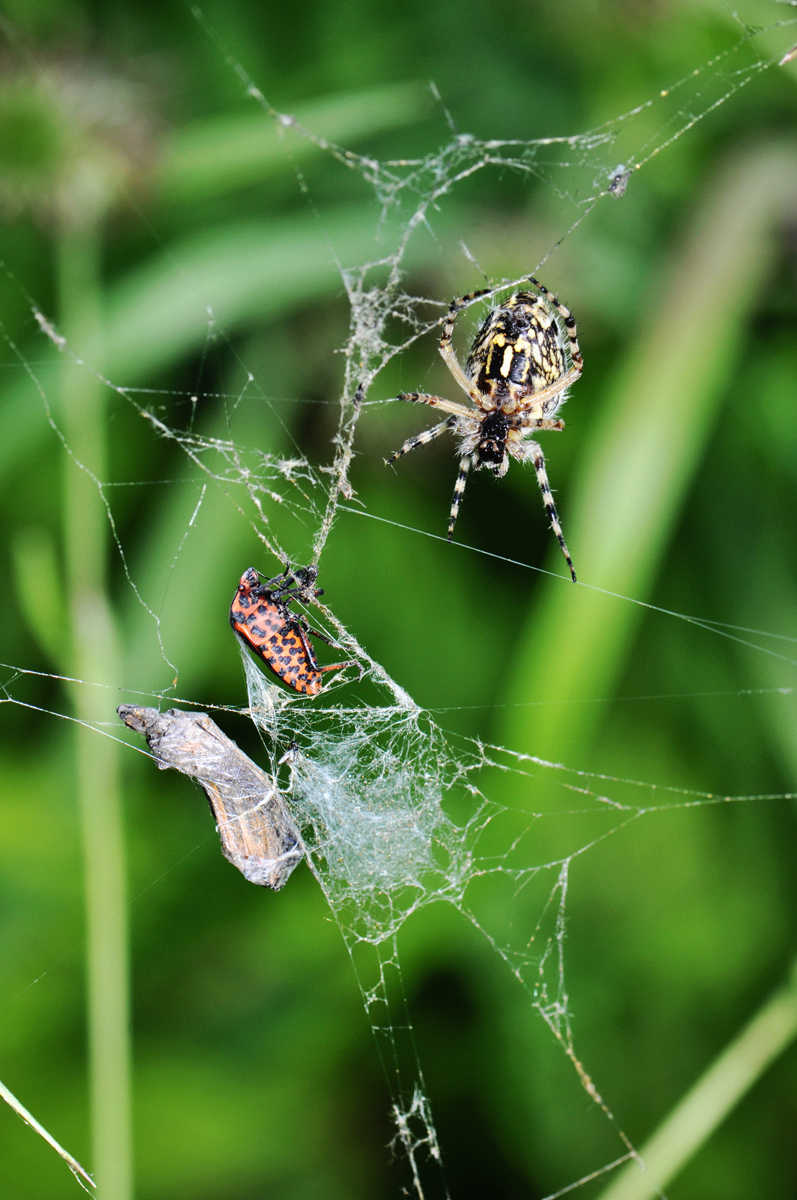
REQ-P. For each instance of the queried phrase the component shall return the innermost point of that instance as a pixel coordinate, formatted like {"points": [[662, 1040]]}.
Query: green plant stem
{"points": [[94, 660], [707, 1104], [29, 1119]]}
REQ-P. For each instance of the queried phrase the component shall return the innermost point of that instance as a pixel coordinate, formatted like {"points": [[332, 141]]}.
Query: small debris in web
{"points": [[258, 835], [618, 181]]}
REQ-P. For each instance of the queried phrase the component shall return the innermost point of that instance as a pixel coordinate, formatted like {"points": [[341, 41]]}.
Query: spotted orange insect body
{"points": [[260, 616]]}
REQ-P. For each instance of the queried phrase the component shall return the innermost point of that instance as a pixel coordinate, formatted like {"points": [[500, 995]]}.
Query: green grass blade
{"points": [[89, 653], [158, 313], [29, 1119], [246, 272], [706, 1105]]}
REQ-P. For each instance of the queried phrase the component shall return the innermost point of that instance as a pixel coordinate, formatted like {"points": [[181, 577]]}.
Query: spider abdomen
{"points": [[517, 351]]}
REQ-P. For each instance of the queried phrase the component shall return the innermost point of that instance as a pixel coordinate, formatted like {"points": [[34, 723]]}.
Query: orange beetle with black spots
{"points": [[260, 616]]}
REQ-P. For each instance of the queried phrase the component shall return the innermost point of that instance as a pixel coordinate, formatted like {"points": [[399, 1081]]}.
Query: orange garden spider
{"points": [[517, 376]]}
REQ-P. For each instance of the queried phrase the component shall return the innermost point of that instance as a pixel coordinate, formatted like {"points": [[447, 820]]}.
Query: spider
{"points": [[517, 377]]}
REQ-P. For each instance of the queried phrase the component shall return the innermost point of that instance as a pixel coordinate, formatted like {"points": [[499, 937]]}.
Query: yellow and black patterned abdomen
{"points": [[517, 351]]}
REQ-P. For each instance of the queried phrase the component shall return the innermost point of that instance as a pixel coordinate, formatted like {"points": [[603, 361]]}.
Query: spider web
{"points": [[396, 812]]}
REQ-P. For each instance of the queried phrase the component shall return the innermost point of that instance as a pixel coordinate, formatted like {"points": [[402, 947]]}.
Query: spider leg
{"points": [[522, 421], [535, 399], [450, 406], [421, 439], [534, 452], [459, 488], [569, 323], [449, 357]]}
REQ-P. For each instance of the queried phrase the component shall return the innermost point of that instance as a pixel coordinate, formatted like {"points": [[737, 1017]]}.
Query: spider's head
{"points": [[491, 447]]}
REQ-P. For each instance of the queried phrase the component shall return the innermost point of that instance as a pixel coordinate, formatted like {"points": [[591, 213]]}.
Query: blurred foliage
{"points": [[254, 1072]]}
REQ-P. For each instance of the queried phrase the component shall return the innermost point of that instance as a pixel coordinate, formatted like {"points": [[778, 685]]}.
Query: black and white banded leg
{"points": [[449, 406], [444, 346], [459, 489], [569, 324], [523, 422], [533, 452], [421, 439]]}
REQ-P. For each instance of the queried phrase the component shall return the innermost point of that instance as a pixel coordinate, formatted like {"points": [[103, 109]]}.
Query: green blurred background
{"points": [[138, 185]]}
